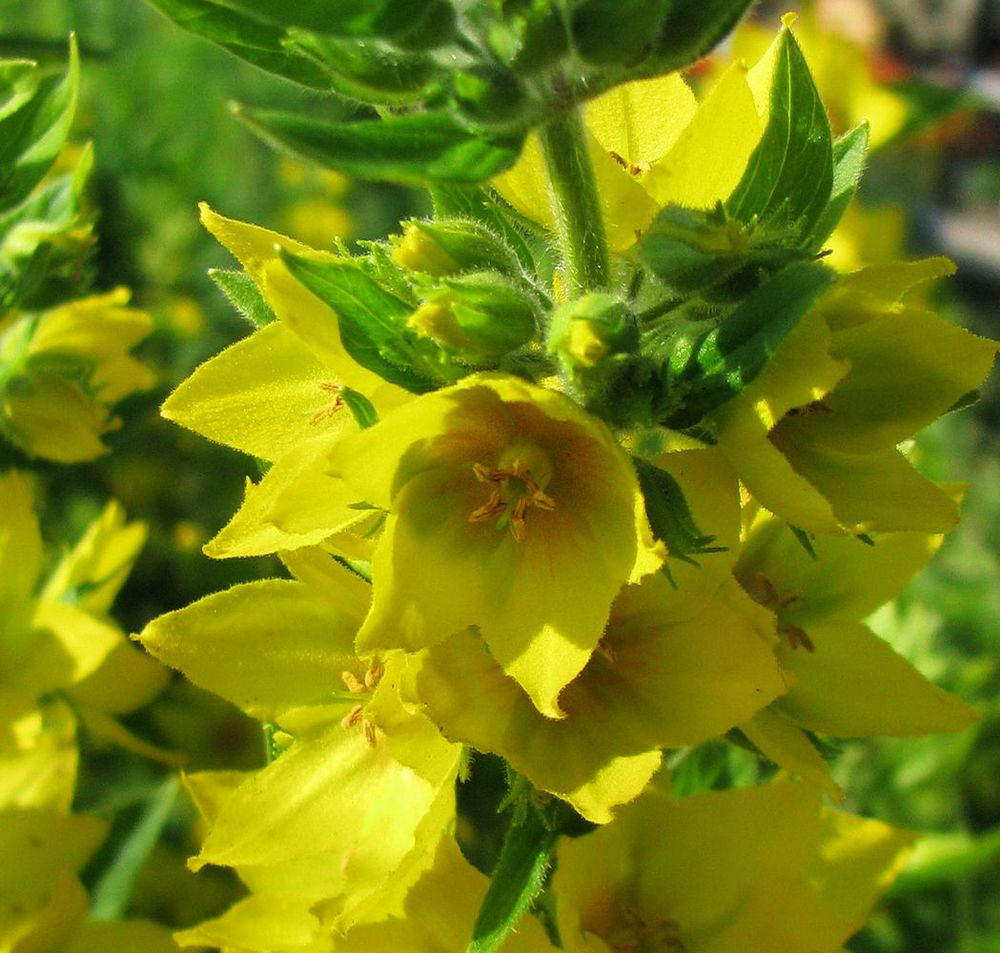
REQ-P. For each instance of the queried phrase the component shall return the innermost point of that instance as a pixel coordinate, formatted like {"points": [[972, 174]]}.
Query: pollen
{"points": [[513, 491]]}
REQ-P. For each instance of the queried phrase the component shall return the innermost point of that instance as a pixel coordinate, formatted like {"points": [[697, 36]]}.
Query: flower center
{"points": [[513, 491], [634, 934]]}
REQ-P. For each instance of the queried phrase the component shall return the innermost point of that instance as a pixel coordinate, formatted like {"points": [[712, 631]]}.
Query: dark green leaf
{"points": [[371, 321], [369, 72], [243, 295], [617, 32], [518, 878], [670, 516], [405, 21], [409, 149], [691, 29], [849, 153], [805, 540], [710, 368], [36, 111], [245, 36], [790, 173]]}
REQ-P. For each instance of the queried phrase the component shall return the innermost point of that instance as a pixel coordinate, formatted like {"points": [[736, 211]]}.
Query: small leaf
{"points": [[670, 516], [849, 153], [371, 321], [244, 35], [125, 856], [790, 174], [411, 149], [243, 295], [360, 407], [517, 880]]}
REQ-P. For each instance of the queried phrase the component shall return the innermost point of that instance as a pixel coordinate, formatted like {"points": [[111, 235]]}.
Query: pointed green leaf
{"points": [[371, 320], [411, 149], [35, 117], [790, 173], [849, 153], [722, 362], [691, 29]]}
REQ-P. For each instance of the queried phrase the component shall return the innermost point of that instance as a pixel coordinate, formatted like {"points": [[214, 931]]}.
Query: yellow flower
{"points": [[755, 870], [62, 369], [360, 792], [844, 680], [674, 667], [814, 437], [56, 638]]}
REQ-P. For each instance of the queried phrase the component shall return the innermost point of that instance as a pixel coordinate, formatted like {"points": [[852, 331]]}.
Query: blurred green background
{"points": [[155, 105]]}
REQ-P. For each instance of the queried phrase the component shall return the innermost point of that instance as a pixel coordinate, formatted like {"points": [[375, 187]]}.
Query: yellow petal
{"points": [[262, 395], [20, 540], [265, 646], [261, 923], [708, 159], [854, 685]]}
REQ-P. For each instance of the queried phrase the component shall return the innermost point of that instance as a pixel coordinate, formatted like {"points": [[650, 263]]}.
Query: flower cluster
{"points": [[575, 514]]}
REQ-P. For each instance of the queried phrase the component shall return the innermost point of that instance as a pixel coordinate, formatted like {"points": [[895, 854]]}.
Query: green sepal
{"points": [[670, 516], [361, 408], [450, 246], [372, 72], [528, 35], [247, 36], [710, 254], [36, 110], [789, 177], [517, 879], [411, 149], [243, 295], [709, 368], [849, 152], [372, 321], [470, 202]]}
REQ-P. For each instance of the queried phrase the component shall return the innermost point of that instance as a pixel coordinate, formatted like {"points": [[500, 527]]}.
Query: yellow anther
{"points": [[353, 683]]}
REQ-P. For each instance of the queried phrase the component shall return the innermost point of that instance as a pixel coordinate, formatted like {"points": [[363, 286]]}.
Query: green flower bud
{"points": [[616, 32], [446, 247], [478, 317], [587, 330]]}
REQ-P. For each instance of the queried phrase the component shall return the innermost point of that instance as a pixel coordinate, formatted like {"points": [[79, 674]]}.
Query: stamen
{"points": [[513, 491], [329, 409], [797, 637]]}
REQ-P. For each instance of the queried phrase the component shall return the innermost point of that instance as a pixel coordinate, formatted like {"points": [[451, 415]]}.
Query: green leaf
{"points": [[944, 858], [369, 72], [371, 321], [411, 149], [690, 30], [243, 295], [246, 36], [518, 878], [416, 23], [790, 174], [669, 515], [711, 368], [616, 32], [849, 153], [36, 111], [112, 891]]}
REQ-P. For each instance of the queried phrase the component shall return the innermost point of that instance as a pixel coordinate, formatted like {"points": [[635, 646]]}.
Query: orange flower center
{"points": [[513, 491]]}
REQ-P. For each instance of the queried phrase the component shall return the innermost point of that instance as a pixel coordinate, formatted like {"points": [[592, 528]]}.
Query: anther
{"points": [[329, 409]]}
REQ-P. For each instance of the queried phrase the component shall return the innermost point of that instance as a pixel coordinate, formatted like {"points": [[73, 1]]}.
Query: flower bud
{"points": [[478, 317], [588, 329], [446, 247]]}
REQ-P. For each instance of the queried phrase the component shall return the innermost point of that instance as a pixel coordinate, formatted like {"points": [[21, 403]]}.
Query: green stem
{"points": [[575, 203]]}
